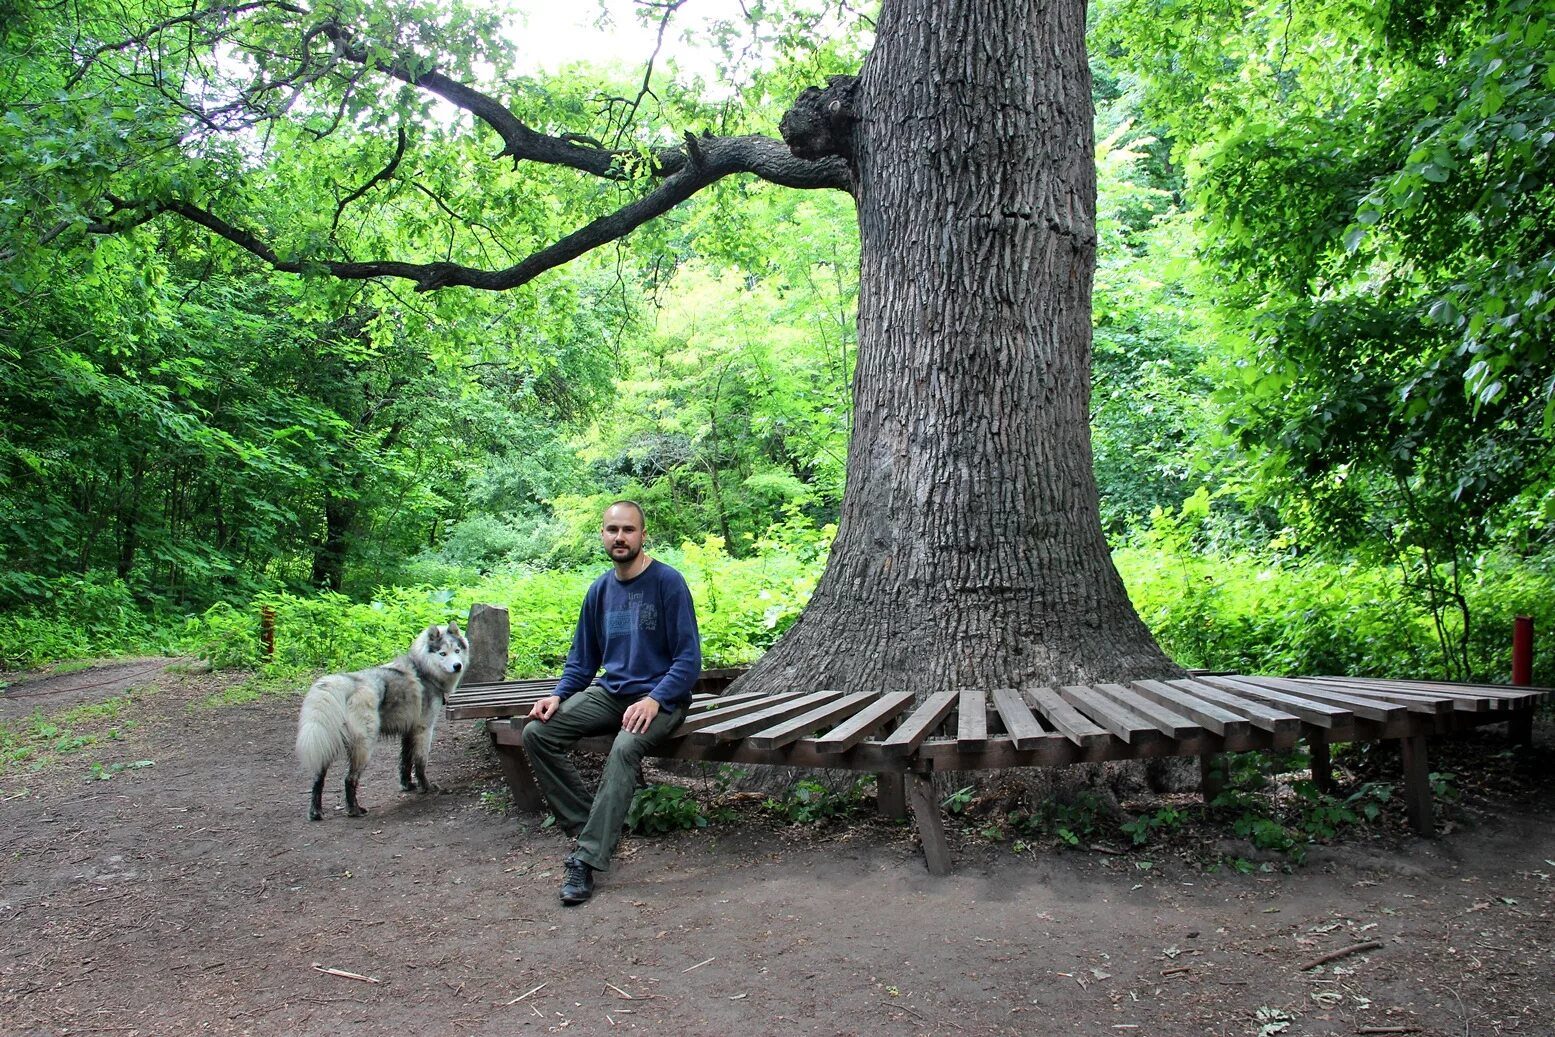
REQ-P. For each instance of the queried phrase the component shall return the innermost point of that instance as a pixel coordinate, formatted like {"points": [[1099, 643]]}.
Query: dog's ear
{"points": [[434, 636], [453, 628]]}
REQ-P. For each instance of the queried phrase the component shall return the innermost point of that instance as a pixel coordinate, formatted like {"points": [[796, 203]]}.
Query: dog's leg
{"points": [[353, 777], [407, 760], [316, 807], [423, 748]]}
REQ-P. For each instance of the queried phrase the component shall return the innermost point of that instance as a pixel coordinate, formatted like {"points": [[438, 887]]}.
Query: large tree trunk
{"points": [[970, 550]]}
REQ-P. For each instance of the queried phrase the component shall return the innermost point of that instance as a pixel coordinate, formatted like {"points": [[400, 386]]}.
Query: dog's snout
{"points": [[458, 667]]}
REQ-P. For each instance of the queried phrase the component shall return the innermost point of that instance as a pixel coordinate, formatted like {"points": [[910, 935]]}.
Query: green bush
{"points": [[664, 808]]}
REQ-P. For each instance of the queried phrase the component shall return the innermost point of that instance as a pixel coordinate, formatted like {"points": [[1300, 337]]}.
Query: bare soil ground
{"points": [[190, 895]]}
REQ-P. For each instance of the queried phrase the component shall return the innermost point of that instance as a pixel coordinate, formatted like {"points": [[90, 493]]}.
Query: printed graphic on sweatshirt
{"points": [[637, 615]]}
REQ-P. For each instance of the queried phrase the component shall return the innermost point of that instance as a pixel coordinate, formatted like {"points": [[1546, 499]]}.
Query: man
{"points": [[636, 622]]}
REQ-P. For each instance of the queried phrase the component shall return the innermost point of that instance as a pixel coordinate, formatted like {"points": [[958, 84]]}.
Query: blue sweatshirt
{"points": [[643, 632]]}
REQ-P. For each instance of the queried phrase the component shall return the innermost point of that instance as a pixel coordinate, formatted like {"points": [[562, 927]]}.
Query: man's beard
{"points": [[630, 556]]}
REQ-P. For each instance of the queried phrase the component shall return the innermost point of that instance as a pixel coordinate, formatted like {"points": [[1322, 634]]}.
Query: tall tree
{"points": [[970, 549]]}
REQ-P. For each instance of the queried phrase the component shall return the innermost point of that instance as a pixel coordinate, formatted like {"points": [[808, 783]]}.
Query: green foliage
{"points": [[1074, 821], [75, 617], [808, 801], [664, 808], [1146, 827]]}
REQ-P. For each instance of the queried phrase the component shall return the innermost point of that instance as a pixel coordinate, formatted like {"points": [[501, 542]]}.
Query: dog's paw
{"points": [[358, 812], [314, 815]]}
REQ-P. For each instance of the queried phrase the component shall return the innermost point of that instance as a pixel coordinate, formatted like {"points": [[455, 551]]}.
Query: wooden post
{"points": [[891, 794], [925, 813], [521, 780], [1519, 726], [267, 631], [1212, 778], [1322, 763], [488, 631], [1417, 785]]}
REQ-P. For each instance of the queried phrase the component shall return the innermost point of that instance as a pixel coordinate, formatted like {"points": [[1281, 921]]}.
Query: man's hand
{"points": [[639, 715], [545, 708]]}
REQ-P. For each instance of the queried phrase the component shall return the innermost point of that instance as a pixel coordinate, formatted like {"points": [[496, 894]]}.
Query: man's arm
{"points": [[685, 643], [582, 659]]}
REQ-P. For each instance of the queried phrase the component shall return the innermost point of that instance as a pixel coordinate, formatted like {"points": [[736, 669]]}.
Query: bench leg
{"points": [[1417, 785], [1519, 726], [931, 830], [1322, 760], [891, 794], [521, 780]]}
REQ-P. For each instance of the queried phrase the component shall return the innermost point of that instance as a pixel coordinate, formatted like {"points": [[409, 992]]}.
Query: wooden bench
{"points": [[905, 744]]}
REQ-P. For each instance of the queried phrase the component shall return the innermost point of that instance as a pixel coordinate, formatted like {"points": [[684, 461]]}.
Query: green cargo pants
{"points": [[592, 711]]}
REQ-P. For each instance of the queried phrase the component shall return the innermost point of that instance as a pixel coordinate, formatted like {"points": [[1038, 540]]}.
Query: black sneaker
{"points": [[580, 882]]}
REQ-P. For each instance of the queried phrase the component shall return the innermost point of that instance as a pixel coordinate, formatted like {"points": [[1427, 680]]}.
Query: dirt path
{"points": [[191, 897]]}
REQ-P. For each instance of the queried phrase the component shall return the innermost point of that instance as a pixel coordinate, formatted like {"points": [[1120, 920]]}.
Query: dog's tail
{"points": [[321, 730]]}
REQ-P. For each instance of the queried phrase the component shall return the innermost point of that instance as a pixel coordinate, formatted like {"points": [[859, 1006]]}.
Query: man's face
{"points": [[622, 534]]}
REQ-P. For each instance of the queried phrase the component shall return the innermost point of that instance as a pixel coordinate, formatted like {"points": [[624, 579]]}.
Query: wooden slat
{"points": [[1067, 720], [739, 727], [708, 718], [972, 719], [1168, 721], [779, 735], [1505, 690], [1023, 727], [1213, 718], [920, 723], [1369, 709], [1274, 721], [848, 734], [1312, 712], [1462, 698], [704, 703], [1415, 702], [1121, 721]]}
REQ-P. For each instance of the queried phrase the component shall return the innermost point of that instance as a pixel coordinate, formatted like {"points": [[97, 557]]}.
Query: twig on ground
{"points": [[901, 1008], [698, 965], [1343, 952], [1388, 1029], [1175, 969], [618, 990], [526, 993], [343, 974]]}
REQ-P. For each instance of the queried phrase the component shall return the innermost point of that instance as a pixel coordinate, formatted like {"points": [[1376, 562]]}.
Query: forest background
{"points": [[1322, 410]]}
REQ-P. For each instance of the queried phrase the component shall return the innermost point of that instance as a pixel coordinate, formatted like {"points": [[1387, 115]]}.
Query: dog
{"points": [[344, 714]]}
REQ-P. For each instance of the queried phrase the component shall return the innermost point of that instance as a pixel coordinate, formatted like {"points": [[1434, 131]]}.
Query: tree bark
{"points": [[970, 549]]}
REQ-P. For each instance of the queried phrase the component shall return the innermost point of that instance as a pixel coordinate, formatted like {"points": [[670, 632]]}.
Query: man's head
{"points": [[621, 532]]}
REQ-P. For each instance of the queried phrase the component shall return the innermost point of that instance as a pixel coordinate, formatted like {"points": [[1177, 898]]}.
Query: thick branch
{"points": [[716, 158], [519, 141]]}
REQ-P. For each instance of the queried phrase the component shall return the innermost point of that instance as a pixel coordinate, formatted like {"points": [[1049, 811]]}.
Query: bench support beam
{"points": [[1322, 761], [931, 830], [521, 780], [891, 794], [1417, 785]]}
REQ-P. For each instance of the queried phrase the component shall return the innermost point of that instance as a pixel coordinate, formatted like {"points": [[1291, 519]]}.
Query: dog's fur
{"points": [[344, 714]]}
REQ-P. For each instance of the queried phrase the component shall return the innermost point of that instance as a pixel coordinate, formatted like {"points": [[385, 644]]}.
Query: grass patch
{"points": [[255, 688], [43, 740]]}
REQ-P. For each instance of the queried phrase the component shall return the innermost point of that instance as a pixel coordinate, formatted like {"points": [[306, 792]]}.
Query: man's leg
{"points": [[617, 785], [592, 711]]}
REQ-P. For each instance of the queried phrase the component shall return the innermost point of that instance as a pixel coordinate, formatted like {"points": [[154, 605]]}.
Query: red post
{"points": [[1522, 651], [267, 631], [1519, 726]]}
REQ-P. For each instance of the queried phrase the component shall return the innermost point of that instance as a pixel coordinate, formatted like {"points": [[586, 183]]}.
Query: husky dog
{"points": [[344, 714]]}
